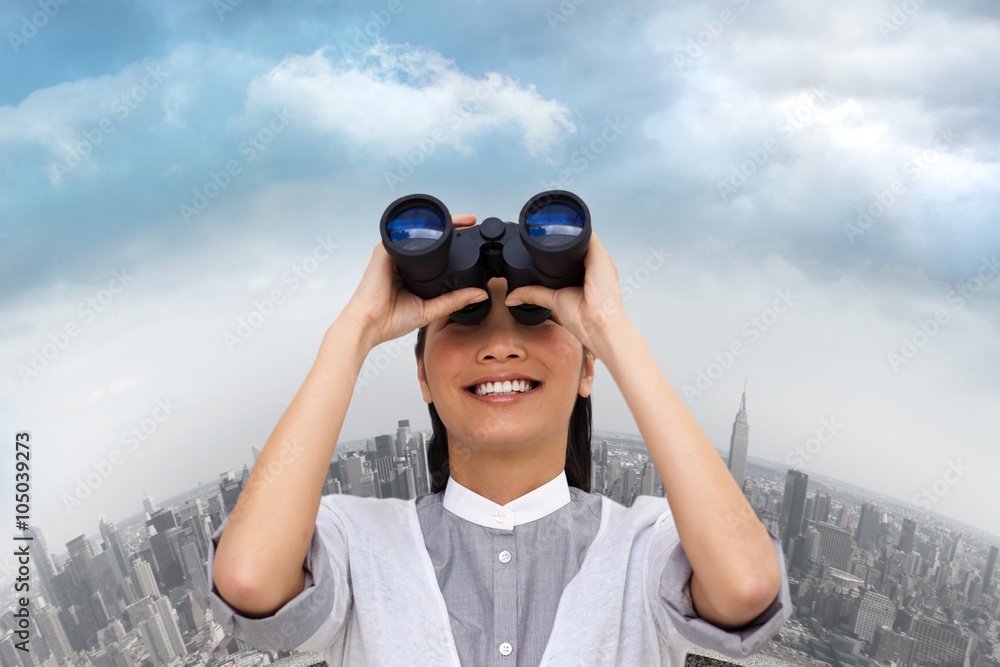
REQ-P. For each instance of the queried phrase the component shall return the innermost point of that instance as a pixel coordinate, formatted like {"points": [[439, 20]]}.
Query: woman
{"points": [[508, 564]]}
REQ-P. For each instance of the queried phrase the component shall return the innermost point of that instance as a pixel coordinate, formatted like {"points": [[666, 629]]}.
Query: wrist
{"points": [[615, 341], [349, 336]]}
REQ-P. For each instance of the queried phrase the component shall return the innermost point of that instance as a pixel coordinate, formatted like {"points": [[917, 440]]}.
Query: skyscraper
{"points": [[80, 553], [793, 506], [868, 526], [112, 542], [355, 470], [821, 507], [835, 545], [739, 441], [991, 562], [42, 561], [142, 574], [402, 437], [906, 537], [875, 611]]}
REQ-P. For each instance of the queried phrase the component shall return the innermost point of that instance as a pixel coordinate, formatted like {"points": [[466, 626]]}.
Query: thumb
{"points": [[448, 303], [533, 294]]}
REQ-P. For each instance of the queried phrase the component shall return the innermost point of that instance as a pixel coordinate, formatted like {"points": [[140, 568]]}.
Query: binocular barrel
{"points": [[546, 247]]}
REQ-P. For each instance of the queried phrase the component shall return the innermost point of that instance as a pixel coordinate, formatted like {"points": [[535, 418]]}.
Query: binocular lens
{"points": [[416, 227], [555, 224]]}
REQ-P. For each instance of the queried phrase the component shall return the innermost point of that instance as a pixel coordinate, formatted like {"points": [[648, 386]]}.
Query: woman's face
{"points": [[465, 370]]}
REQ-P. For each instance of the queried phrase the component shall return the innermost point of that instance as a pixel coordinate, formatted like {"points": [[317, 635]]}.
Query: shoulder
{"points": [[357, 510]]}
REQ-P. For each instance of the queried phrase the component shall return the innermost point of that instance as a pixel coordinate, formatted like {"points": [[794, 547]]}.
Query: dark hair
{"points": [[578, 459]]}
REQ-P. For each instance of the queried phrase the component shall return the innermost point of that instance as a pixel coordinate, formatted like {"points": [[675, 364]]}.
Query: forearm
{"points": [[736, 569], [258, 562]]}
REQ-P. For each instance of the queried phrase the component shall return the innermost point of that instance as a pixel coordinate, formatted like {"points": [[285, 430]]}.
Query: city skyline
{"points": [[357, 444], [749, 457], [876, 582]]}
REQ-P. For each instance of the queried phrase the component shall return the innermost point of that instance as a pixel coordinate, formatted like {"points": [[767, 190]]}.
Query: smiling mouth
{"points": [[505, 388]]}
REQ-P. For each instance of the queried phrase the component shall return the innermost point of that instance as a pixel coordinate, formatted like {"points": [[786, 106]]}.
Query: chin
{"points": [[501, 437]]}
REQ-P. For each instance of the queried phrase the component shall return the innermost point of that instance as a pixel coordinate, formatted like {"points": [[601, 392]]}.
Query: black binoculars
{"points": [[546, 248]]}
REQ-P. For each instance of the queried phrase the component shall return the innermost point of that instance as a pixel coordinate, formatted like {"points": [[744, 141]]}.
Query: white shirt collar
{"points": [[533, 505]]}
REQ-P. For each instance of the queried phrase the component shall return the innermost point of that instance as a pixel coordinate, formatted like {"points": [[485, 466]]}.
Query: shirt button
{"points": [[505, 648], [501, 516], [504, 557]]}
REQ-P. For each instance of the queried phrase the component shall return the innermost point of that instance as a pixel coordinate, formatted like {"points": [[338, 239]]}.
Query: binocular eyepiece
{"points": [[546, 247]]}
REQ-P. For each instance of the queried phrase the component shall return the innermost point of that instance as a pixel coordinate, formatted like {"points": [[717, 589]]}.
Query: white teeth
{"points": [[505, 387]]}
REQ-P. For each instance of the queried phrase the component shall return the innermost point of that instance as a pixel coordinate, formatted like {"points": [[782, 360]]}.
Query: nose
{"points": [[503, 336], [501, 345]]}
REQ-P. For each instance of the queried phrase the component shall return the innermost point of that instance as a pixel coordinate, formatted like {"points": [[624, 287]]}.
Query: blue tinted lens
{"points": [[415, 228], [554, 224]]}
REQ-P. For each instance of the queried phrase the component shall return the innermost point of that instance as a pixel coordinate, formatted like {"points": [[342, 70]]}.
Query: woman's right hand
{"points": [[385, 309]]}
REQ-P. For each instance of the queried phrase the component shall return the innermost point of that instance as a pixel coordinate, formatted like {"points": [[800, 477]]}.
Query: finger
{"points": [[534, 294], [446, 304], [594, 247], [463, 221]]}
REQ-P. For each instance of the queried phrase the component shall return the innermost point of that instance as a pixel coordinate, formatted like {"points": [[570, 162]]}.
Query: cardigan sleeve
{"points": [[313, 618], [673, 592]]}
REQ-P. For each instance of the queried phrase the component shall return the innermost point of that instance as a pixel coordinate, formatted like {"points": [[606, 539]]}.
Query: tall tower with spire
{"points": [[739, 442]]}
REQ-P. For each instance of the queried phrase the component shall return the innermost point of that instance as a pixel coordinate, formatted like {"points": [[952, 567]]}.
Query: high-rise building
{"points": [[142, 576], [9, 655], [384, 447], [793, 505], [367, 484], [940, 643], [161, 634], [229, 487], [835, 545], [355, 469], [906, 537], [80, 553], [424, 481], [991, 562], [892, 646], [194, 568], [956, 548], [107, 576], [821, 507], [55, 637], [112, 542], [651, 483], [402, 437], [974, 589], [738, 443], [875, 611], [808, 547], [41, 560], [869, 525]]}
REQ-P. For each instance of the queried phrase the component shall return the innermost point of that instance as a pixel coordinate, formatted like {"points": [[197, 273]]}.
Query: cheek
{"points": [[443, 361], [566, 352]]}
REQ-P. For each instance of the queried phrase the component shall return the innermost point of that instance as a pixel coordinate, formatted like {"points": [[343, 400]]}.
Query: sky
{"points": [[798, 196]]}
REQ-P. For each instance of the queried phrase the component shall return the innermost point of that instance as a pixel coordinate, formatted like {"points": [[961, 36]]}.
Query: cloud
{"points": [[394, 98]]}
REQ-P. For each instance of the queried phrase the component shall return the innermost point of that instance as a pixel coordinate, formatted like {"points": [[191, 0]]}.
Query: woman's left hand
{"points": [[592, 312]]}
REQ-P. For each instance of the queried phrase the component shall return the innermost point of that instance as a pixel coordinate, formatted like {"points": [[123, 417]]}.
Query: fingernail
{"points": [[513, 301], [478, 298]]}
